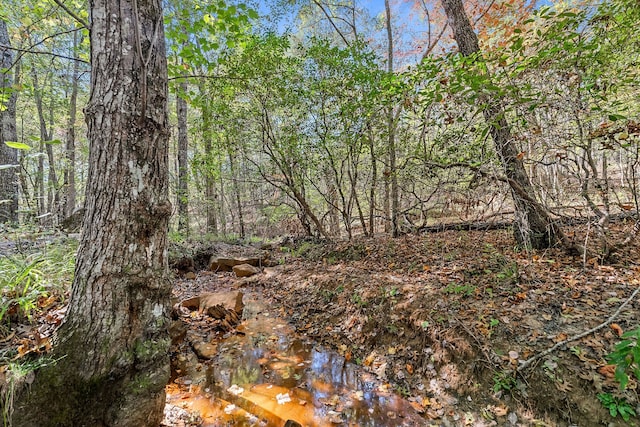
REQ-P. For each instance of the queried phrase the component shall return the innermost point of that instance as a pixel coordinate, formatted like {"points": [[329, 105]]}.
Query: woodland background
{"points": [[334, 119]]}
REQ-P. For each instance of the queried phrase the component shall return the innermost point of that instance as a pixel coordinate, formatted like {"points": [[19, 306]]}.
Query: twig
{"points": [[524, 365], [40, 52], [73, 14]]}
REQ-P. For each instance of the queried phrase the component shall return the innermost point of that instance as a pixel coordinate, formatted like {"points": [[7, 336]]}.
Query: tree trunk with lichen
{"points": [[533, 227], [111, 352]]}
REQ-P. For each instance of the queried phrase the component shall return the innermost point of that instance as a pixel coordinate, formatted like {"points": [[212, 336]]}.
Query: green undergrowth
{"points": [[30, 277]]}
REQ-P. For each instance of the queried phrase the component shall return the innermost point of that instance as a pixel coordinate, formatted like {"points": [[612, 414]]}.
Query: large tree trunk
{"points": [[533, 227], [112, 349], [182, 194], [8, 156]]}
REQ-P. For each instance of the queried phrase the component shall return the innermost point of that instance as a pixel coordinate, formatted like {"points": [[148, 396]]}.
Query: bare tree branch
{"points": [[74, 15], [524, 365], [40, 52]]}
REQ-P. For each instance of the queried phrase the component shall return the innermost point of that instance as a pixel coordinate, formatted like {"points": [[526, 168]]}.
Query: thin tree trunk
{"points": [[391, 126], [8, 156], [53, 195], [182, 194], [210, 184], [374, 184], [70, 144], [111, 352], [44, 148], [236, 190], [533, 227]]}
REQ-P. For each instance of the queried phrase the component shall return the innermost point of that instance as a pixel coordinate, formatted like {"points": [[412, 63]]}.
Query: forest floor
{"points": [[447, 318], [443, 319]]}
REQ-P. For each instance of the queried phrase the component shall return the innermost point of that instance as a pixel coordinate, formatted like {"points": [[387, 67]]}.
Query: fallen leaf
{"points": [[560, 337], [617, 329], [608, 371], [369, 359], [409, 368], [417, 406], [499, 411]]}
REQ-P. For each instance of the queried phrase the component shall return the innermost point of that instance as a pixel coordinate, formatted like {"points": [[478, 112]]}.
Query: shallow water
{"points": [[269, 375]]}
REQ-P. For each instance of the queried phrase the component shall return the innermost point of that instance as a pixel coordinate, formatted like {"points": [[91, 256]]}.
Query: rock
{"points": [[245, 270], [177, 330], [176, 416], [227, 264], [205, 350], [184, 265], [231, 300]]}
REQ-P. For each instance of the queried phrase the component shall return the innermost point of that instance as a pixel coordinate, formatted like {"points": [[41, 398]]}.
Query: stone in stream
{"points": [[230, 300], [224, 307], [205, 350]]}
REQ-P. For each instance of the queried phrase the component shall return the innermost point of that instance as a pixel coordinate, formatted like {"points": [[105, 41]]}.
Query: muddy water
{"points": [[267, 375]]}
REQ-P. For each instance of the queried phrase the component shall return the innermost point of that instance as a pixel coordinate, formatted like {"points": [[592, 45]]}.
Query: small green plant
{"points": [[503, 380], [460, 289], [20, 286], [626, 357], [508, 273], [16, 374], [356, 298], [617, 406], [24, 279], [329, 294]]}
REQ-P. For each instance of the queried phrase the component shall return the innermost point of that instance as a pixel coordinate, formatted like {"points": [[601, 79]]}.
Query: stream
{"points": [[266, 374]]}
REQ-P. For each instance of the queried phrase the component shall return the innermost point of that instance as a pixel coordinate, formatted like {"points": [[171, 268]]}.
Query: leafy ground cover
{"points": [[457, 322], [450, 318]]}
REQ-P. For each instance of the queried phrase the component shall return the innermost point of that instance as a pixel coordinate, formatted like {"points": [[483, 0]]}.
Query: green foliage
{"points": [[24, 279], [617, 406], [16, 373], [17, 145], [21, 286], [503, 380], [464, 289], [626, 357], [357, 299], [329, 295], [199, 32]]}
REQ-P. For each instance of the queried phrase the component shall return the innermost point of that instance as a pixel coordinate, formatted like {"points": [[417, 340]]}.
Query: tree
{"points": [[392, 198], [8, 155], [111, 352], [534, 228], [182, 192], [70, 143]]}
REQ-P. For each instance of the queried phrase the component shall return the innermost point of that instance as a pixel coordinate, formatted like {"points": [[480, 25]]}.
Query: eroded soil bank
{"points": [[445, 318]]}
